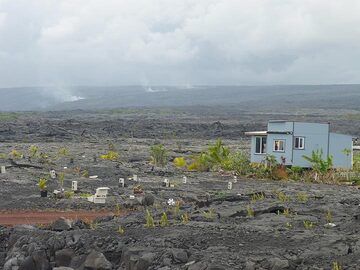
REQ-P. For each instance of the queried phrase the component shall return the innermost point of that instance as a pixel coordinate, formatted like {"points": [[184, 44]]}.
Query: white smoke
{"points": [[62, 94], [149, 89]]}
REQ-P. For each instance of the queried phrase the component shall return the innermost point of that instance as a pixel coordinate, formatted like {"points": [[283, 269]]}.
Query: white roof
{"points": [[256, 133]]}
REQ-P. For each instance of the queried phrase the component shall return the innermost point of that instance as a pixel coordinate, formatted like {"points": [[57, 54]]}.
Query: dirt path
{"points": [[46, 217]]}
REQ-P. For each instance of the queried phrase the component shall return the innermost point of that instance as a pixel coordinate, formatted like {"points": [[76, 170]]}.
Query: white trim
{"points": [[262, 151], [283, 144], [301, 145]]}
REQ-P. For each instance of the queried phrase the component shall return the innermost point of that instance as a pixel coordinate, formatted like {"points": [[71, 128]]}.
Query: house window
{"points": [[299, 143], [279, 145], [260, 146]]}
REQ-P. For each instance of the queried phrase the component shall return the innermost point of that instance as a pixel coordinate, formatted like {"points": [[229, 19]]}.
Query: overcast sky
{"points": [[183, 42]]}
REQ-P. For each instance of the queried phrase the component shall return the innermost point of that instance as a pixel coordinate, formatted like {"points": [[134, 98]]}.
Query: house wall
{"points": [[257, 158], [316, 138], [339, 142], [288, 147], [280, 126]]}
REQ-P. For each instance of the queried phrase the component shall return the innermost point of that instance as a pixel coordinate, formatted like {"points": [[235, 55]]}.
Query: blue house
{"points": [[289, 141]]}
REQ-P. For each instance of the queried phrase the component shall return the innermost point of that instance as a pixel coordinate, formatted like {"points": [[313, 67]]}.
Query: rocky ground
{"points": [[258, 224]]}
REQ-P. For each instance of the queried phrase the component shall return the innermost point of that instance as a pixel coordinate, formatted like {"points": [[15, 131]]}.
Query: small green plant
{"points": [[176, 209], [336, 266], [85, 195], [288, 225], [33, 151], [158, 155], [111, 155], [185, 218], [164, 220], [61, 176], [117, 210], [85, 173], [308, 224], [210, 214], [68, 194], [295, 172], [328, 216], [63, 152], [42, 183], [120, 230], [257, 197], [250, 211], [149, 220], [287, 212], [15, 154], [302, 197], [282, 197], [180, 162]]}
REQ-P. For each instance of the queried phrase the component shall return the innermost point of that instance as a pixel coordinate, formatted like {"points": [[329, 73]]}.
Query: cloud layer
{"points": [[112, 42]]}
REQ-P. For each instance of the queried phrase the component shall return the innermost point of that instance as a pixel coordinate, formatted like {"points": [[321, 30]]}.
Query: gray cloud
{"points": [[93, 42]]}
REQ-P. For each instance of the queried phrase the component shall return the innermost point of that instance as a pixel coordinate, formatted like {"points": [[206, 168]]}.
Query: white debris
{"points": [[171, 202], [93, 176], [184, 180], [330, 225], [122, 182], [74, 185]]}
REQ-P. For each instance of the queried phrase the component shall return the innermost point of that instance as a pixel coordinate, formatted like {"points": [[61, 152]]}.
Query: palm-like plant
{"points": [[217, 153], [318, 164]]}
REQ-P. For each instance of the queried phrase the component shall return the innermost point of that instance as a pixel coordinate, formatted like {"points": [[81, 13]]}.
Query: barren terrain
{"points": [[259, 224]]}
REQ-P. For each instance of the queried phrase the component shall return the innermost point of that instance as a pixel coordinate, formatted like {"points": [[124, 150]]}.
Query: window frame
{"points": [[301, 138], [262, 150], [283, 144]]}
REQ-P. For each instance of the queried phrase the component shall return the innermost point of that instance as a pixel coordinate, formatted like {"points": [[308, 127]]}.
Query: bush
{"points": [[215, 156], [318, 164], [33, 150], [200, 163], [237, 162], [158, 155], [42, 184], [295, 172], [180, 162], [111, 155]]}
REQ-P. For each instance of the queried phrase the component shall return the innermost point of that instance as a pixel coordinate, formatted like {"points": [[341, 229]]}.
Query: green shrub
{"points": [[158, 155], [238, 162], [180, 162], [149, 220], [15, 154], [318, 163], [68, 194], [216, 156], [42, 183], [111, 155], [295, 172], [63, 151], [33, 151], [164, 220]]}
